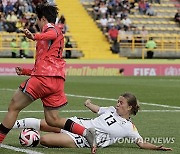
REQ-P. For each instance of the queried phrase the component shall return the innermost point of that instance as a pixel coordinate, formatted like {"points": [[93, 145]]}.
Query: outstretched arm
{"points": [[94, 108], [51, 34], [23, 71], [28, 34], [147, 145]]}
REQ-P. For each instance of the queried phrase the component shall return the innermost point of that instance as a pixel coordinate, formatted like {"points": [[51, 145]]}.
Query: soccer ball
{"points": [[29, 137]]}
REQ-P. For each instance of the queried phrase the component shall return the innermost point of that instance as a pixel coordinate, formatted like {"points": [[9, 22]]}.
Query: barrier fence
{"points": [[165, 42]]}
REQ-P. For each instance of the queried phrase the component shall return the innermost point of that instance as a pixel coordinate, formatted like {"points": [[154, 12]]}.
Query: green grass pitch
{"points": [[151, 90]]}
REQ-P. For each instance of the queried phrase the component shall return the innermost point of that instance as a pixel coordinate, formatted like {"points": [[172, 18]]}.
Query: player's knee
{"points": [[12, 107]]}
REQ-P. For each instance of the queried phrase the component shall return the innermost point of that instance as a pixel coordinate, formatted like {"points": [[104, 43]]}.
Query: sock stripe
{"points": [[2, 136], [72, 125], [68, 125], [3, 129]]}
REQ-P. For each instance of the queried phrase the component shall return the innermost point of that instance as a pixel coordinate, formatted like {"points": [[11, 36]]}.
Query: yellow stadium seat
{"points": [[157, 22], [150, 22], [171, 22]]}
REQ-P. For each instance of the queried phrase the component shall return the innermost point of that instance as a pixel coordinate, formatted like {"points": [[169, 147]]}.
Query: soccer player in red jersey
{"points": [[46, 79]]}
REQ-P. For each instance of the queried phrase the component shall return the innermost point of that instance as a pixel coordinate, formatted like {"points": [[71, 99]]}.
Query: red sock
{"points": [[73, 127], [2, 136], [77, 129], [3, 132]]}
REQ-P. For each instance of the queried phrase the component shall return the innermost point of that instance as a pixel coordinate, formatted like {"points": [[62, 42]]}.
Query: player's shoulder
{"points": [[111, 108], [53, 27], [49, 25], [132, 126]]}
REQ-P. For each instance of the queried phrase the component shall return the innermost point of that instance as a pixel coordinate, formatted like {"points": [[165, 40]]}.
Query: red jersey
{"points": [[49, 48]]}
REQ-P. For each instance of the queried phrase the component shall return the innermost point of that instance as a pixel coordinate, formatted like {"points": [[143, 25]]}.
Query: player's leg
{"points": [[52, 118], [46, 128], [56, 100], [27, 123], [53, 102], [37, 124], [57, 140], [18, 102]]}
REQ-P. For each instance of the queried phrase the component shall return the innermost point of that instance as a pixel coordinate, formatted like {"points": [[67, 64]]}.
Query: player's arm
{"points": [[23, 71], [94, 108], [147, 145], [50, 34], [28, 34]]}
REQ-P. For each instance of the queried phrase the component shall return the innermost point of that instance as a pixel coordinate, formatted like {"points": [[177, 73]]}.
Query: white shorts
{"points": [[80, 141], [102, 139]]}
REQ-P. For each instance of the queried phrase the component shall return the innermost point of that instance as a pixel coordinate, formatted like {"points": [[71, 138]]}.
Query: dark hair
{"points": [[50, 12], [132, 101]]}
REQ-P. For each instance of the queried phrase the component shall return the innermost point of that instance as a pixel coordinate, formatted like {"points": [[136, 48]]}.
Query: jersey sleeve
{"points": [[26, 72], [102, 110], [134, 134], [51, 34]]}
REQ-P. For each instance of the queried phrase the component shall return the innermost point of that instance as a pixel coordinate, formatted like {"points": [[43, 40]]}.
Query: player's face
{"points": [[39, 22], [122, 107]]}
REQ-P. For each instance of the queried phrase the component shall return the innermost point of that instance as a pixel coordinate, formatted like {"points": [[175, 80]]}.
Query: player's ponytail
{"points": [[132, 101], [136, 109]]}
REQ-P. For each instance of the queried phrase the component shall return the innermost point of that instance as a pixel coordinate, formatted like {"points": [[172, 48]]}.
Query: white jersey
{"points": [[110, 126]]}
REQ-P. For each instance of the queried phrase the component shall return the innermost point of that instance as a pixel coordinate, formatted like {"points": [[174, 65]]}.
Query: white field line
{"points": [[83, 111], [159, 111], [111, 99], [168, 80], [108, 99], [19, 149]]}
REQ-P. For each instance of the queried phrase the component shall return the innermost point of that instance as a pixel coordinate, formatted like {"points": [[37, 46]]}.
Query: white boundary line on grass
{"points": [[19, 149], [79, 96], [107, 99], [111, 99]]}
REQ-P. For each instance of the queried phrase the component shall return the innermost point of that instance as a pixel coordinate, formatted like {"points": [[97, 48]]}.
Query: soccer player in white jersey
{"points": [[112, 124]]}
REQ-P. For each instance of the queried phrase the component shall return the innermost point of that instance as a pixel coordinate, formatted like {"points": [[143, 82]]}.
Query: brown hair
{"points": [[132, 101]]}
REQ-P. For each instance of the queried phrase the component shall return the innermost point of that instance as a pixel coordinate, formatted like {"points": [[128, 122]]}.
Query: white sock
{"points": [[28, 123]]}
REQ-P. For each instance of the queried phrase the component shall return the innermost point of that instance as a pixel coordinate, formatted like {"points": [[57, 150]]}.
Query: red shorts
{"points": [[49, 89]]}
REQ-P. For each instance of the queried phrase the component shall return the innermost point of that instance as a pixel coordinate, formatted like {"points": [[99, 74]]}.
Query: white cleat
{"points": [[91, 138]]}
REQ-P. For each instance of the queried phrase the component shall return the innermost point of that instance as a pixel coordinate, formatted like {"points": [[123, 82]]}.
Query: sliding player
{"points": [[112, 124]]}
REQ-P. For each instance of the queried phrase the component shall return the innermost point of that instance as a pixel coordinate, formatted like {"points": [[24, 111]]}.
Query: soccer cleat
{"points": [[91, 138]]}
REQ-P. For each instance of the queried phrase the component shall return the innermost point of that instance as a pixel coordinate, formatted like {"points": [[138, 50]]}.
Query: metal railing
{"points": [[165, 42], [6, 39], [144, 50]]}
